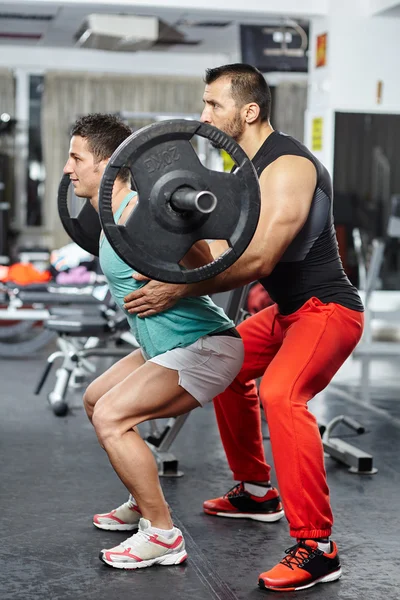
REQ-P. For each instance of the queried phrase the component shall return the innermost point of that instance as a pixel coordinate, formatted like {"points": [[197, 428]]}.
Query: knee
{"points": [[108, 427], [90, 398], [275, 398], [103, 424]]}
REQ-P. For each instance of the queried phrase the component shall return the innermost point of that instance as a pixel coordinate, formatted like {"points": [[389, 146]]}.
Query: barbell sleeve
{"points": [[189, 199]]}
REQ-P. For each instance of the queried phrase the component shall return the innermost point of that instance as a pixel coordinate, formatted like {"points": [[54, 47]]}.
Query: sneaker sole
{"points": [[265, 518], [168, 560], [326, 579], [116, 526]]}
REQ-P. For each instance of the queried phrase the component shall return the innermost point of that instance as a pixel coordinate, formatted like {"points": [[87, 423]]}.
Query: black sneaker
{"points": [[303, 567], [240, 504]]}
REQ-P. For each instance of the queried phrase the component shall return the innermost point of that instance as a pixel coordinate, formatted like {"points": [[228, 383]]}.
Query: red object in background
{"points": [[320, 55], [257, 299], [24, 274]]}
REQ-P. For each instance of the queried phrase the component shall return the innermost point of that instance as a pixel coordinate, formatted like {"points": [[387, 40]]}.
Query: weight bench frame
{"points": [[358, 461]]}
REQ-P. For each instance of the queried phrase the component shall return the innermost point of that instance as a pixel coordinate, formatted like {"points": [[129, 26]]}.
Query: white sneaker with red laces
{"points": [[124, 518], [146, 548]]}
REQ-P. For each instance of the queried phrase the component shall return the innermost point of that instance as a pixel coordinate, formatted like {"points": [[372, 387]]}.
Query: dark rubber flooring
{"points": [[54, 476]]}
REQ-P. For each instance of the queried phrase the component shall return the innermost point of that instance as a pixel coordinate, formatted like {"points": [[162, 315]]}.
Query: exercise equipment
{"points": [[180, 202], [357, 460], [81, 334], [84, 228], [23, 310]]}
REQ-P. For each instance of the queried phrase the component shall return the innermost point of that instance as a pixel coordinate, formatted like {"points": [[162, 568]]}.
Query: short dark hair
{"points": [[103, 133], [247, 85]]}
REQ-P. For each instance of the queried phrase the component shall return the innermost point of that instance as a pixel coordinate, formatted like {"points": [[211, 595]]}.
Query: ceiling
{"points": [[52, 24]]}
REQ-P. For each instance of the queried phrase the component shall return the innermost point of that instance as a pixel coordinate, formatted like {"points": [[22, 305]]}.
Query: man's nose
{"points": [[67, 168], [205, 116]]}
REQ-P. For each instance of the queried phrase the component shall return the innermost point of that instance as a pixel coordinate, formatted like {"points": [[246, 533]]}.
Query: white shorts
{"points": [[207, 367]]}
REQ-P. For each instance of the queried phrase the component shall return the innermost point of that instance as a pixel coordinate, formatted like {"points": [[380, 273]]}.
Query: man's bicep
{"points": [[287, 190], [286, 196]]}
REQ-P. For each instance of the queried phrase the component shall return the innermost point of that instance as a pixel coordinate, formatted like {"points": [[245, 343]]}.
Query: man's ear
{"points": [[252, 112]]}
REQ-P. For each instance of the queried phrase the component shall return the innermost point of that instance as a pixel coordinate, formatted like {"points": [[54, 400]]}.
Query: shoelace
{"points": [[297, 555], [237, 490], [135, 540], [127, 504]]}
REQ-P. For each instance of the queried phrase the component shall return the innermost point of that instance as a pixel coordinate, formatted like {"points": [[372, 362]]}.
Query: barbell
{"points": [[180, 201]]}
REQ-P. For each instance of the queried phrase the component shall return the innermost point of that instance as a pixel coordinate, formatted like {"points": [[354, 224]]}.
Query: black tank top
{"points": [[311, 264]]}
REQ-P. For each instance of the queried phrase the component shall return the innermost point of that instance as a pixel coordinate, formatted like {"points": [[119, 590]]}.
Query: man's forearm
{"points": [[240, 273]]}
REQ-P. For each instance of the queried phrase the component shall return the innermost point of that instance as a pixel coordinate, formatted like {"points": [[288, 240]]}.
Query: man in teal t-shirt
{"points": [[188, 355]]}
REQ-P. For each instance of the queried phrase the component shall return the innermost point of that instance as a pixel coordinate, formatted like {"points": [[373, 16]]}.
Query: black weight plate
{"points": [[85, 228], [155, 237]]}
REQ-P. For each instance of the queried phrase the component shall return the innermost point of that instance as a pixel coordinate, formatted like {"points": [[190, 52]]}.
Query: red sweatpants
{"points": [[296, 355]]}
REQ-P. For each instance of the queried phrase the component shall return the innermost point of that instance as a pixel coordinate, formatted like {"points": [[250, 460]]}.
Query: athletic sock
{"points": [[324, 544], [258, 489], [167, 533]]}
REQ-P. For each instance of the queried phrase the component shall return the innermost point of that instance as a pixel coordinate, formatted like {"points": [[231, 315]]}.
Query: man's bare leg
{"points": [[107, 380], [151, 392]]}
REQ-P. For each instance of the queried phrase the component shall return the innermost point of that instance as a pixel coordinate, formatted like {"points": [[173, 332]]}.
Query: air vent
{"points": [[26, 17], [210, 24], [127, 33], [20, 36]]}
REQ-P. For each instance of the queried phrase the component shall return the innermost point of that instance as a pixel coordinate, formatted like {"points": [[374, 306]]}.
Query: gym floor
{"points": [[55, 476]]}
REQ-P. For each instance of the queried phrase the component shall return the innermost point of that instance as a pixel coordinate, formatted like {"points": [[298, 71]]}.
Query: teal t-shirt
{"points": [[179, 326]]}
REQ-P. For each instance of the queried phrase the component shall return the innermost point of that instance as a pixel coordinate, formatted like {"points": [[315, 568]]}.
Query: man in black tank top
{"points": [[295, 346]]}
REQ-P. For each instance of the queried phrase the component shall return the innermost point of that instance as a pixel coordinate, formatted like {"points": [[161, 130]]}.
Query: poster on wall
{"points": [[317, 134], [320, 56]]}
